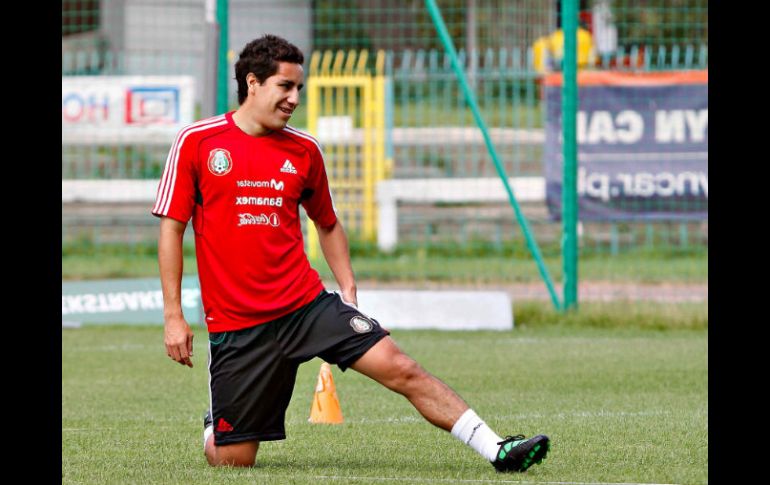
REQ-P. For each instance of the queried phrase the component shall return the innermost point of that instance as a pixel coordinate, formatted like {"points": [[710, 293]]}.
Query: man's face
{"points": [[278, 96]]}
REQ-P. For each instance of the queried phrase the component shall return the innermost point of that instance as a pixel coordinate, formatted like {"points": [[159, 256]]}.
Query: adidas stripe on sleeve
{"points": [[176, 189]]}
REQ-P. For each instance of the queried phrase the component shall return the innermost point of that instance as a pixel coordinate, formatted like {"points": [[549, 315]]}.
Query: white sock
{"points": [[206, 433], [474, 432]]}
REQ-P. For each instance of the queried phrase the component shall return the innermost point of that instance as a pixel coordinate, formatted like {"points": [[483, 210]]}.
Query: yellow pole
{"points": [[338, 181], [350, 157], [379, 149], [315, 59], [368, 172], [313, 100], [363, 76]]}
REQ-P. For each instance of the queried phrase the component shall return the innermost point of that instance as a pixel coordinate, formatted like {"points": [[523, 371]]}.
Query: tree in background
{"points": [[659, 22]]}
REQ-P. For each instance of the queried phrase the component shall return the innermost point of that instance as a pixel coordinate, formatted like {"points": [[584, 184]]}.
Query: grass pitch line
{"points": [[585, 414], [460, 480], [568, 415]]}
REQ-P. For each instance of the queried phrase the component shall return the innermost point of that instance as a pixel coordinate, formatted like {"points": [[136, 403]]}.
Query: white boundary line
{"points": [[459, 480]]}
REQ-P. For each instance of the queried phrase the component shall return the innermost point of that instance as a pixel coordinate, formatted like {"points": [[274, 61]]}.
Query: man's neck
{"points": [[247, 124]]}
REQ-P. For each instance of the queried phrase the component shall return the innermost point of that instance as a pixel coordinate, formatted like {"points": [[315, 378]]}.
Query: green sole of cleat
{"points": [[528, 462], [532, 457]]}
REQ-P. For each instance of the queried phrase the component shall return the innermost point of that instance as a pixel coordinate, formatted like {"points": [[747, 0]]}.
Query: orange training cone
{"points": [[326, 406]]}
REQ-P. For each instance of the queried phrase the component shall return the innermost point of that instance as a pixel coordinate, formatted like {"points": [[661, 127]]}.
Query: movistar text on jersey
{"points": [[272, 184]]}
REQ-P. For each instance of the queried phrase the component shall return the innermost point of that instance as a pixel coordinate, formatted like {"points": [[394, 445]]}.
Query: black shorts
{"points": [[252, 371]]}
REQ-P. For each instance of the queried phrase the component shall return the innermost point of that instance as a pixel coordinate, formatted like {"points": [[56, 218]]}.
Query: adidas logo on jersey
{"points": [[288, 167]]}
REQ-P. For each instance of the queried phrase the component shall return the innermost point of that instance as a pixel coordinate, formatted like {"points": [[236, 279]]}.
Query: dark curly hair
{"points": [[261, 57]]}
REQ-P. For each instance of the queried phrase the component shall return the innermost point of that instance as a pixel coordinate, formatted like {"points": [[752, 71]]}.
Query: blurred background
{"points": [[415, 185]]}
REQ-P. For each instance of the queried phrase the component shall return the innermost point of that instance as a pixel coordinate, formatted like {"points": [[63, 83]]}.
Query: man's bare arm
{"points": [[334, 244], [177, 333]]}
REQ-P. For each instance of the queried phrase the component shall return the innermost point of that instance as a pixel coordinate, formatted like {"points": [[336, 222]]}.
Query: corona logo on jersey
{"points": [[220, 162]]}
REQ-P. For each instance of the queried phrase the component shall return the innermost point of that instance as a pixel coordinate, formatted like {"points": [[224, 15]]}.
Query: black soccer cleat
{"points": [[517, 454], [207, 420]]}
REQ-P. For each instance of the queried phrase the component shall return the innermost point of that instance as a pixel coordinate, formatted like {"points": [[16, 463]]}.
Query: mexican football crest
{"points": [[220, 161]]}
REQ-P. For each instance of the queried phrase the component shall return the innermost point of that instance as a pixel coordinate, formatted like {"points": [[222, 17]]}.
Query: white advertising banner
{"points": [[125, 109]]}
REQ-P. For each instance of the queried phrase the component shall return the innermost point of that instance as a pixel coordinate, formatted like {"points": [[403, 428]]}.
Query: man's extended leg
{"points": [[442, 407], [388, 365]]}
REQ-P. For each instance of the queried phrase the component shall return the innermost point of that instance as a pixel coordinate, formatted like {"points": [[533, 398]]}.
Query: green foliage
{"points": [[85, 245], [495, 111], [475, 261], [615, 315], [683, 22], [113, 161], [79, 16], [329, 17], [385, 24]]}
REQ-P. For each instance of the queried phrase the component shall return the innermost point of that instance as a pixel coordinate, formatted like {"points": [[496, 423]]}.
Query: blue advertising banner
{"points": [[642, 146]]}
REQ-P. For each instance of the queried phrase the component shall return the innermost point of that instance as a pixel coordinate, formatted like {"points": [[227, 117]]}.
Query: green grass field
{"points": [[623, 404]]}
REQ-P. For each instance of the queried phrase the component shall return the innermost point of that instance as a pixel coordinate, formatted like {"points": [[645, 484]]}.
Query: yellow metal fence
{"points": [[346, 113]]}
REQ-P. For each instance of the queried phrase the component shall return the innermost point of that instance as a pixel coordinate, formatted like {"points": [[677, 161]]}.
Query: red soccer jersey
{"points": [[243, 194]]}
